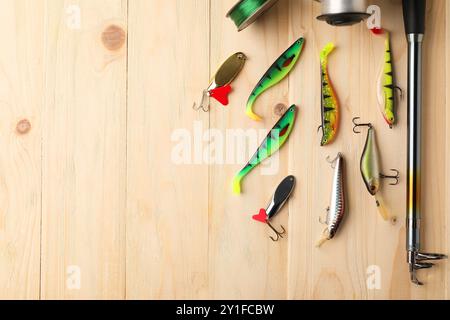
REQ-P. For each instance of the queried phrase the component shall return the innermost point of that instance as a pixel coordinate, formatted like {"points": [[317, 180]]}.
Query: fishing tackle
{"points": [[277, 72], [271, 144], [337, 209], [370, 166], [220, 87], [282, 194], [386, 94], [329, 101], [245, 12], [343, 12], [414, 12]]}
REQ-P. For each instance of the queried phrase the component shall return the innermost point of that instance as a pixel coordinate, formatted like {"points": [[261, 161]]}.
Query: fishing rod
{"points": [[414, 18]]}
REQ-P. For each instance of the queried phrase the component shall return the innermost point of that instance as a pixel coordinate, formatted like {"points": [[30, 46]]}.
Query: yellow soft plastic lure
{"points": [[386, 95], [329, 101]]}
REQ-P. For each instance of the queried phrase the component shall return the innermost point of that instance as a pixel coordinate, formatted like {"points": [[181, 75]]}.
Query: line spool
{"points": [[245, 12]]}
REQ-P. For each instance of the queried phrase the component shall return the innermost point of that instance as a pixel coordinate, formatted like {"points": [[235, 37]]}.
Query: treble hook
{"points": [[278, 233], [202, 106], [369, 125], [395, 177]]}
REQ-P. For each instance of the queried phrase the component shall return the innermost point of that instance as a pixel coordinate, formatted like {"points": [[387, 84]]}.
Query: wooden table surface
{"points": [[92, 205]]}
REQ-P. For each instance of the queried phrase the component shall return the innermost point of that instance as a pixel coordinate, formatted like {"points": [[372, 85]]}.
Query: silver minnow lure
{"points": [[336, 211]]}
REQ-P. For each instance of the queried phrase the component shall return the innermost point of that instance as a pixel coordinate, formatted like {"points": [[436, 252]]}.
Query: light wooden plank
{"points": [[434, 126], [84, 150], [244, 262], [434, 131], [339, 269], [447, 140], [389, 254], [176, 231], [167, 217], [21, 89], [333, 271]]}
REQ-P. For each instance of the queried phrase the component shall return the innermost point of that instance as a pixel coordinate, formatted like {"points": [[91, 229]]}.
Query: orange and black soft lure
{"points": [[329, 101]]}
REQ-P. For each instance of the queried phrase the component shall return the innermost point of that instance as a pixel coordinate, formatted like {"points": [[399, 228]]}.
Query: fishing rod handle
{"points": [[414, 146], [414, 16]]}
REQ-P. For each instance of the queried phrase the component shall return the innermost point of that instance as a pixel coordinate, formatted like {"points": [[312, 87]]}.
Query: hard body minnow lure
{"points": [[282, 194], [271, 144], [329, 101], [277, 72], [220, 87], [370, 167], [386, 94], [337, 209]]}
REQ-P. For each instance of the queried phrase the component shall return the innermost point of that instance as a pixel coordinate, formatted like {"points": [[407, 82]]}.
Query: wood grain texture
{"points": [[92, 118], [21, 89], [167, 216], [434, 127], [240, 246], [447, 141], [84, 154]]}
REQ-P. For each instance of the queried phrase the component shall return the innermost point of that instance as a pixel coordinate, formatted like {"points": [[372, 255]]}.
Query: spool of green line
{"points": [[245, 12]]}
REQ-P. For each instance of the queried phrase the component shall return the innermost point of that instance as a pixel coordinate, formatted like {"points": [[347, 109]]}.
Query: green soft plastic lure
{"points": [[277, 72], [329, 101], [386, 94], [271, 144]]}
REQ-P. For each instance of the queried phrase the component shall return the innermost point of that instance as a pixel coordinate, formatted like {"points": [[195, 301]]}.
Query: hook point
{"points": [[279, 234]]}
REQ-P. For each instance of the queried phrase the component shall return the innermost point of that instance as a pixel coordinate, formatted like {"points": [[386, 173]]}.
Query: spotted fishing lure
{"points": [[271, 144], [277, 72], [329, 101], [386, 94], [336, 211], [281, 196], [370, 167], [220, 86]]}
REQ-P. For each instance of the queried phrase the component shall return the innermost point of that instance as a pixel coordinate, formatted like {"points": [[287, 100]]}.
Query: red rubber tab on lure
{"points": [[284, 130], [221, 94], [288, 62], [377, 31], [261, 217]]}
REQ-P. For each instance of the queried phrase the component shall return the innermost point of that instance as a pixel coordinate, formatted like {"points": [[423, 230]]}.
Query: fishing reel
{"points": [[334, 12], [343, 12]]}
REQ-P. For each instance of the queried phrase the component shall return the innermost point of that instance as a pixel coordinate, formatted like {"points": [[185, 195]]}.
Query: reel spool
{"points": [[343, 12], [245, 12]]}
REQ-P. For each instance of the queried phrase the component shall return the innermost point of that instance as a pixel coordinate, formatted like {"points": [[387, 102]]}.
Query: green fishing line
{"points": [[246, 11]]}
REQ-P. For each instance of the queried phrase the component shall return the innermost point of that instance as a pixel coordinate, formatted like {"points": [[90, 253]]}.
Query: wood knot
{"points": [[279, 109], [394, 221], [113, 37], [23, 127]]}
